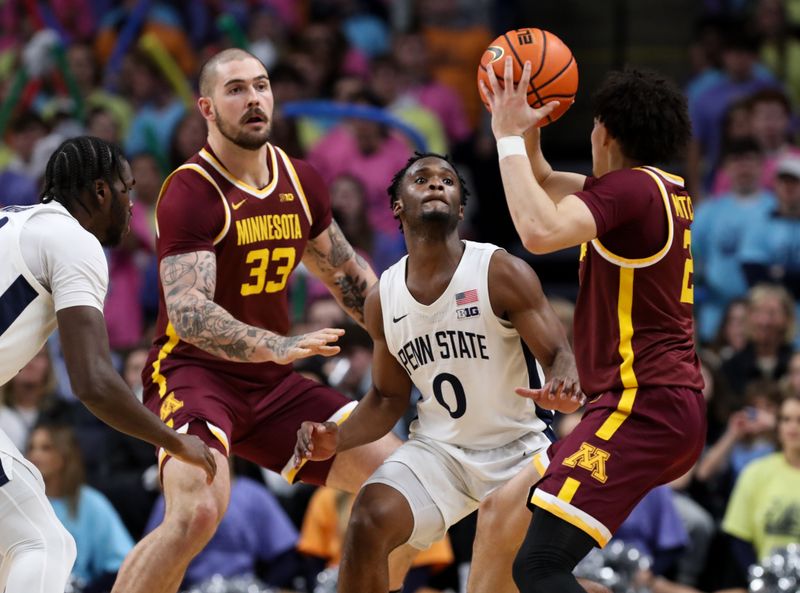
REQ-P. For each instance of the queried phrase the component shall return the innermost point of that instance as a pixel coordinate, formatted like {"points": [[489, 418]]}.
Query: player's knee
{"points": [[530, 570], [370, 522], [197, 522]]}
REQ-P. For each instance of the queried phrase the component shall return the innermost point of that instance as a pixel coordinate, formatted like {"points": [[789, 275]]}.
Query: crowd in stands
{"points": [[126, 71]]}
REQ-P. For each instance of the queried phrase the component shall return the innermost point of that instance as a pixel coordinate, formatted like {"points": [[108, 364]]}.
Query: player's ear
{"points": [[461, 212], [206, 109], [397, 207], [100, 190]]}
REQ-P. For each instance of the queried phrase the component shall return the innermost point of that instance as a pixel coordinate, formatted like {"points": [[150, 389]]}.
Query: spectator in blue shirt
{"points": [[719, 224], [101, 538]]}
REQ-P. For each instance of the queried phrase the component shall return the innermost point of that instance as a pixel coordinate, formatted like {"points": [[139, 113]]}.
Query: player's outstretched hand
{"points": [[561, 394], [316, 441], [192, 450], [319, 342], [511, 113]]}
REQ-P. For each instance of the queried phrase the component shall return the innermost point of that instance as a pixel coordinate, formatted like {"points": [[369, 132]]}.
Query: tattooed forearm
{"points": [[189, 282], [341, 250], [352, 293], [348, 276]]}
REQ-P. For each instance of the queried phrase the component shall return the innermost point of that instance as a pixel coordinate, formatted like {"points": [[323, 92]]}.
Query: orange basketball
{"points": [[554, 74]]}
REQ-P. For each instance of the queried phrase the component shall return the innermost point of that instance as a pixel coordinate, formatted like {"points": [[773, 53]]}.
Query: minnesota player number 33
{"points": [[283, 259]]}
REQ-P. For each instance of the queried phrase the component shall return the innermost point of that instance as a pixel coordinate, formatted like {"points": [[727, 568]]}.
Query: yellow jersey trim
{"points": [[568, 490], [207, 176], [246, 187], [643, 262], [572, 515], [297, 185], [628, 377], [289, 471], [673, 178], [165, 351]]}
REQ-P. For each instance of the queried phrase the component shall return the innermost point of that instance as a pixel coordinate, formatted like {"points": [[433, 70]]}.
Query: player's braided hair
{"points": [[74, 167], [646, 113]]}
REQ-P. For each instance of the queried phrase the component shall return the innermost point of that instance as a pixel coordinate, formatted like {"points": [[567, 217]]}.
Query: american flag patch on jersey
{"points": [[466, 297]]}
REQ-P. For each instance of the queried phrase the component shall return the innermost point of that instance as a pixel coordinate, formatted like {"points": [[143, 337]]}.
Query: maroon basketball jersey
{"points": [[633, 318], [258, 237]]}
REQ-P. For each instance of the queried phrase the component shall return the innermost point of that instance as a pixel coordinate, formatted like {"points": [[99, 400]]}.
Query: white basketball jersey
{"points": [[27, 313], [463, 359]]}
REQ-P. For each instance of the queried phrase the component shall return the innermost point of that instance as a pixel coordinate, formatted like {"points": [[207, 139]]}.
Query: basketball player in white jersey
{"points": [[53, 273], [454, 317]]}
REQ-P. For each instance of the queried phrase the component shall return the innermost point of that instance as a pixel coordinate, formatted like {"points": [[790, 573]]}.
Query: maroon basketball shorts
{"points": [[625, 445], [236, 417]]}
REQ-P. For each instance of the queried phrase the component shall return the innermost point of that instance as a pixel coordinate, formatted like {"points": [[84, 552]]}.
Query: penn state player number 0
{"points": [[457, 390]]}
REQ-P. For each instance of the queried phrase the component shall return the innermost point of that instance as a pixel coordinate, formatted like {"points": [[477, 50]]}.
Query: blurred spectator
{"points": [[780, 48], [655, 528], [102, 124], [770, 116], [411, 53], [749, 435], [349, 206], [764, 510], [160, 20], [456, 43], [255, 538], [187, 139], [740, 78], [17, 178], [732, 332], [717, 233], [82, 63], [124, 310], [322, 536], [25, 397], [158, 109], [705, 54], [389, 83], [368, 151], [100, 536], [790, 384], [770, 322], [771, 243]]}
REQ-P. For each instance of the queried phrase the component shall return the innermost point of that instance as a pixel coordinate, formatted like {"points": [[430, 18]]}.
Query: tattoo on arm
{"points": [[189, 282], [346, 273], [353, 292]]}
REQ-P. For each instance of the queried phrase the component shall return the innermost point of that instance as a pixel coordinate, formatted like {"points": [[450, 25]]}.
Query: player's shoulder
{"points": [[626, 178], [305, 171], [52, 228]]}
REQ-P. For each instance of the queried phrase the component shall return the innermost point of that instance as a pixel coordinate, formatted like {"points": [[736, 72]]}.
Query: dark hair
{"points": [[740, 147], [74, 167], [26, 121], [770, 95], [646, 113]]}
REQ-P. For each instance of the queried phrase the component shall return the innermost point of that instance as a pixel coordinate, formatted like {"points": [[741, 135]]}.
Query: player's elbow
{"points": [[537, 240], [92, 385]]}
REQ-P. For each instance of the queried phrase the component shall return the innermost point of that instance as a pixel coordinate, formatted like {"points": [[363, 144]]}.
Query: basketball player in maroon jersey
{"points": [[232, 224], [645, 423]]}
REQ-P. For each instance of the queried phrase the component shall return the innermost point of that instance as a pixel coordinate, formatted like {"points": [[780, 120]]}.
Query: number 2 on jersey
{"points": [[283, 257], [687, 289]]}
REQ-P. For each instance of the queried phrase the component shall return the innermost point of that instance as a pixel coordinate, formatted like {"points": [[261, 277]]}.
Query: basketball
{"points": [[554, 74]]}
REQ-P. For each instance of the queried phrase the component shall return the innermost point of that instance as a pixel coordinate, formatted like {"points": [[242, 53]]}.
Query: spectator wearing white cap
{"points": [[771, 243]]}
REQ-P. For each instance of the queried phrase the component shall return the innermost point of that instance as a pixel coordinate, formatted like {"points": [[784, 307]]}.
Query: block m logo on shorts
{"points": [[592, 459], [169, 406]]}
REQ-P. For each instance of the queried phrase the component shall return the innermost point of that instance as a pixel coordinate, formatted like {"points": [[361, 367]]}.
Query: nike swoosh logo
{"points": [[238, 205], [396, 319]]}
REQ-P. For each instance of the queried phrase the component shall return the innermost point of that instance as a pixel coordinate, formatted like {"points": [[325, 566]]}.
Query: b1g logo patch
{"points": [[468, 312]]}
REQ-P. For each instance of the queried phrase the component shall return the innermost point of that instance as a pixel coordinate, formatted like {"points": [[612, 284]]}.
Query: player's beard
{"points": [[119, 222], [242, 137], [434, 222]]}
